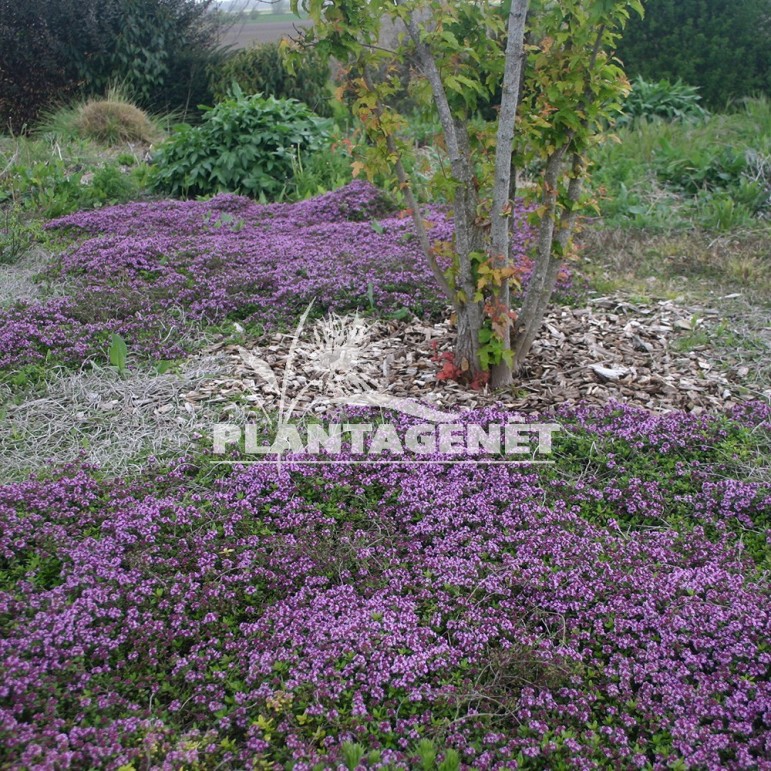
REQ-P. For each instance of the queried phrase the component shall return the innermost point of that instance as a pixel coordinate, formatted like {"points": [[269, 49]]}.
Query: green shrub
{"points": [[262, 69], [321, 172], [722, 213], [246, 144], [721, 46], [160, 53], [662, 99], [110, 186], [16, 235], [38, 181], [44, 47], [126, 159], [699, 167]]}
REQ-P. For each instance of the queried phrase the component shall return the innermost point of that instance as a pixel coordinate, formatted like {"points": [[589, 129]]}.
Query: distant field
{"points": [[267, 18], [266, 29]]}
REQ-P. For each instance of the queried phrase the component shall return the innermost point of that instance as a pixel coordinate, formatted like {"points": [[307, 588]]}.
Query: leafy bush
{"points": [[721, 46], [44, 47], [37, 180], [246, 144], [16, 235], [109, 185], [319, 173], [160, 52], [262, 69], [662, 99]]}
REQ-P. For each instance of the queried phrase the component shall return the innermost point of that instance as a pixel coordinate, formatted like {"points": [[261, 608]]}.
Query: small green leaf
{"points": [[163, 366], [118, 352]]}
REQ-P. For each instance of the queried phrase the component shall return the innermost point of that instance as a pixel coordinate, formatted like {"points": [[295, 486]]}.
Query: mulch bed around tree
{"points": [[611, 349]]}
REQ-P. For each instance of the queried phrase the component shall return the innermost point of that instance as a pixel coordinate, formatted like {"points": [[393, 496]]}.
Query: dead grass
{"points": [[26, 279], [96, 415], [695, 261], [17, 281], [112, 121], [726, 279]]}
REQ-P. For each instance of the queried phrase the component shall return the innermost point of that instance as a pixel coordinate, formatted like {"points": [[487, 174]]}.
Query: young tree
{"points": [[552, 64]]}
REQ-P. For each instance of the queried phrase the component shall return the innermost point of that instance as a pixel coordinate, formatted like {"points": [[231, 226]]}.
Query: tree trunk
{"points": [[527, 326], [501, 213], [467, 338], [468, 235], [548, 263]]}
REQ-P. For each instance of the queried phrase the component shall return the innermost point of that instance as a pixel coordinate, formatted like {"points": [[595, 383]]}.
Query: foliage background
{"points": [[262, 69], [50, 50], [722, 46]]}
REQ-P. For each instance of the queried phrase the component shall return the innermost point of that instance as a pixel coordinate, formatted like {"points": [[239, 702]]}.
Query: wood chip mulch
{"points": [[609, 350]]}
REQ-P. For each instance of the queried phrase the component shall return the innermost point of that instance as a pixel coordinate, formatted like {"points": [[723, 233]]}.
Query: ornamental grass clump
{"points": [[113, 121]]}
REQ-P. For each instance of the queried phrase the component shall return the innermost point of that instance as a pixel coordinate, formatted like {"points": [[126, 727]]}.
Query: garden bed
{"points": [[609, 612], [162, 609]]}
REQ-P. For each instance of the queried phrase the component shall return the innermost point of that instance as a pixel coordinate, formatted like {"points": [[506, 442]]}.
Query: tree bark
{"points": [[501, 212], [525, 327], [468, 235], [550, 263]]}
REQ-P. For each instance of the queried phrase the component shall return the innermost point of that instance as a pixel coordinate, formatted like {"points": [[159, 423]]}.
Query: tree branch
{"points": [[525, 326], [506, 120], [417, 216]]}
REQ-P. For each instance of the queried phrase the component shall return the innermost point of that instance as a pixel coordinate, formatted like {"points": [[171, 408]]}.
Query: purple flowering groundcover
{"points": [[145, 269], [611, 611], [265, 616]]}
